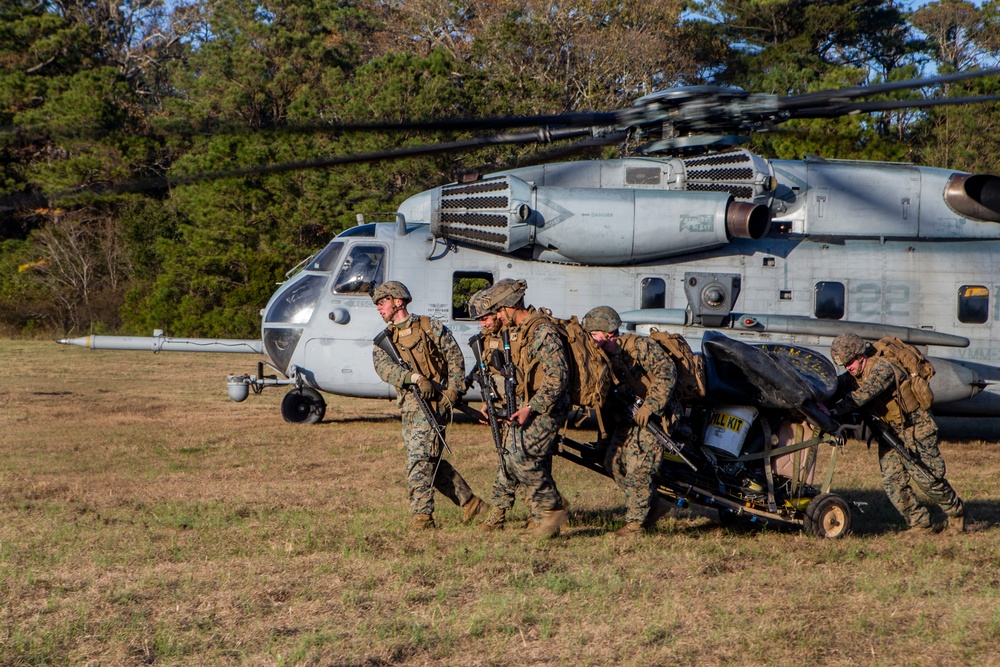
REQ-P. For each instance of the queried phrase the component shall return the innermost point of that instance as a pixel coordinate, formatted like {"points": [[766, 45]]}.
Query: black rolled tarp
{"points": [[768, 376]]}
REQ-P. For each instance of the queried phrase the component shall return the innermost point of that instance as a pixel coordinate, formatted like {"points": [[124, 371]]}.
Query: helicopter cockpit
{"points": [[362, 270]]}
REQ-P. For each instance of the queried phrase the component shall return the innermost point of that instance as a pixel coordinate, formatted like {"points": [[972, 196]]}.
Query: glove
{"points": [[642, 415], [424, 387], [451, 396]]}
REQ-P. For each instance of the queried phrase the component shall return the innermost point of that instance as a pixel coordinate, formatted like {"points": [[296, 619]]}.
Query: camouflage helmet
{"points": [[480, 307], [507, 293], [602, 318], [393, 288], [846, 347]]}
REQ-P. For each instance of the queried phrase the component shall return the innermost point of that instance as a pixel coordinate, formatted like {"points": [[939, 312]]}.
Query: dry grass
{"points": [[145, 519]]}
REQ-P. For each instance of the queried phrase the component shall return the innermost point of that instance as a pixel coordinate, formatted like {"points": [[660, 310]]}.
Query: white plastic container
{"points": [[728, 426]]}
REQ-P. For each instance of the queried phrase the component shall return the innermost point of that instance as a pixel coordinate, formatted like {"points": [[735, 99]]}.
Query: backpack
{"points": [[590, 376], [691, 385], [914, 392]]}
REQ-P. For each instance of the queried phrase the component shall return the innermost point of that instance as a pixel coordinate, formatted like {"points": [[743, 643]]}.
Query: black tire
{"points": [[827, 516], [303, 406]]}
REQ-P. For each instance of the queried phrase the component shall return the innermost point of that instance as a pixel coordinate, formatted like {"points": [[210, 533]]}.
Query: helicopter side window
{"points": [[326, 260], [361, 270], [463, 285], [830, 304], [652, 293], [973, 304]]}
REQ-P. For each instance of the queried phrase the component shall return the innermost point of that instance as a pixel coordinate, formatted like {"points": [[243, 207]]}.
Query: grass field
{"points": [[146, 519]]}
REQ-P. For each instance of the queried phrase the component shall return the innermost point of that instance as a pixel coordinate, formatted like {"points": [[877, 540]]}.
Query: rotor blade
{"points": [[586, 119], [888, 105], [542, 135], [583, 119], [812, 100]]}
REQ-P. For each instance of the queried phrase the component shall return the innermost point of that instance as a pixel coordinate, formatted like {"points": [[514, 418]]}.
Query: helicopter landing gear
{"points": [[303, 405], [827, 515]]}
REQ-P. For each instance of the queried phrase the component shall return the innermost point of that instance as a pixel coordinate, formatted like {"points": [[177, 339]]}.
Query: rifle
{"points": [[383, 341], [879, 429], [632, 404], [490, 397], [509, 375]]}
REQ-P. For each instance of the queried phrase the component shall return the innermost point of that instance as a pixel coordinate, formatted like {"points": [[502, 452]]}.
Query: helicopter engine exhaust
{"points": [[747, 221], [975, 196]]}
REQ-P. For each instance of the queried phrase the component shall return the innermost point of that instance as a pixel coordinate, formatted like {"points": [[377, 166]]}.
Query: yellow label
{"points": [[727, 421]]}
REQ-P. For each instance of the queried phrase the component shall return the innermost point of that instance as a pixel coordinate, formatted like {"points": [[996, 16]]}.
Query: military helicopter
{"points": [[700, 235]]}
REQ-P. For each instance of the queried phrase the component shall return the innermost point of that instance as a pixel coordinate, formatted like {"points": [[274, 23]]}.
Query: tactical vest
{"points": [[529, 380], [890, 410], [416, 347]]}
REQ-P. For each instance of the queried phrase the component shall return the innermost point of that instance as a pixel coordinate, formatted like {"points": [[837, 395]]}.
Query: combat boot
{"points": [[472, 508], [494, 520], [630, 529], [920, 530], [552, 520], [657, 511], [956, 525], [422, 522]]}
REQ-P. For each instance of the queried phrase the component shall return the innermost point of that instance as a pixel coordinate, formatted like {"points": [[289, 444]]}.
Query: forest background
{"points": [[111, 91]]}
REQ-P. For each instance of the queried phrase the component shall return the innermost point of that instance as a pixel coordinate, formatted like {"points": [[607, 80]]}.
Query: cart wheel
{"points": [[827, 515], [303, 406]]}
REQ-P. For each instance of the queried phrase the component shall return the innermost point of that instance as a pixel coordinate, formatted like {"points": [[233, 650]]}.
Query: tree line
{"points": [[101, 92]]}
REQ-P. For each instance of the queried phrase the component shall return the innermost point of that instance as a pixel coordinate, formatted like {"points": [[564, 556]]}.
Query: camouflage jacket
{"points": [[541, 362], [646, 368], [875, 389], [444, 344]]}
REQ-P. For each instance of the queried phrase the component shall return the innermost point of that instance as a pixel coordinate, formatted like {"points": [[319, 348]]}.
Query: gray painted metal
{"points": [[164, 344]]}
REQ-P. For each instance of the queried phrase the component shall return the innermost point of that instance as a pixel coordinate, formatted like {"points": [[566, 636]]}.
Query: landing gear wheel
{"points": [[827, 515], [303, 405]]}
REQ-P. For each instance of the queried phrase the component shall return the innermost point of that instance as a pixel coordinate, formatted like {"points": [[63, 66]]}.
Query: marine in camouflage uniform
{"points": [[643, 369], [873, 384], [530, 441], [437, 372]]}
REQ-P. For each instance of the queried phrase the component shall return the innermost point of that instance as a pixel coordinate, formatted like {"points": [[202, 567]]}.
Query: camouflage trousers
{"points": [[423, 455], [899, 476], [633, 457], [528, 459]]}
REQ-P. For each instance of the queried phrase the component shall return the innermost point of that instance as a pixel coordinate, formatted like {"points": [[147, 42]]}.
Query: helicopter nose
{"points": [[747, 221]]}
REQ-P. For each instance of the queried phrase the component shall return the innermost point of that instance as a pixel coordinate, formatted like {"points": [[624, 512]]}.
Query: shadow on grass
{"points": [[877, 516], [963, 428], [362, 419]]}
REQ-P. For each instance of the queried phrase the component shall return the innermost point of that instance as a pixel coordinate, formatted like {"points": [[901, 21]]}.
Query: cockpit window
{"points": [[361, 270], [297, 302], [326, 260], [973, 304]]}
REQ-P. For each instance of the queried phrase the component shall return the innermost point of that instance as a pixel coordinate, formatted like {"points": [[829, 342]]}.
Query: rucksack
{"points": [[915, 392], [589, 369], [691, 384]]}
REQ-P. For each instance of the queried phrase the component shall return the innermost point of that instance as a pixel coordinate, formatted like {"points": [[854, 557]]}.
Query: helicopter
{"points": [[698, 235]]}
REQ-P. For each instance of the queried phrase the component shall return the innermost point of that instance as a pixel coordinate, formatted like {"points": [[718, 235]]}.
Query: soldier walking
{"points": [[643, 370], [875, 384], [539, 356], [437, 371]]}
